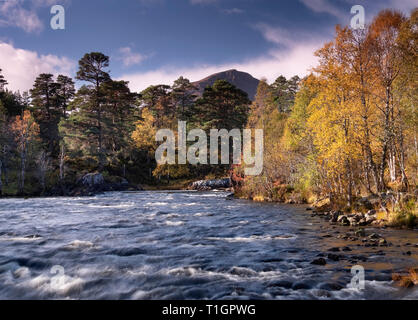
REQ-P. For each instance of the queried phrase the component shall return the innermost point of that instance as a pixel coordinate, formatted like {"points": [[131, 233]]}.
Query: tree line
{"points": [[352, 130], [53, 134]]}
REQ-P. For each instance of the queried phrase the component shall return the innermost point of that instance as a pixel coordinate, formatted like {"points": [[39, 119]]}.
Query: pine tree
{"points": [[183, 94], [92, 69], [222, 106], [65, 92], [3, 82], [46, 111]]}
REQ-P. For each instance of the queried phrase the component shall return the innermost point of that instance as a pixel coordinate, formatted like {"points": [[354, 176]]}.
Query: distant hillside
{"points": [[241, 80]]}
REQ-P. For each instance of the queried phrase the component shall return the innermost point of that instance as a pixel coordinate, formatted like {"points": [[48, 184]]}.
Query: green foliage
{"points": [[296, 137], [284, 92], [222, 106], [12, 102], [183, 98], [46, 111]]}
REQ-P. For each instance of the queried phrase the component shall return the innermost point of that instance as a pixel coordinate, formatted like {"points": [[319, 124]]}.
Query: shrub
{"points": [[404, 214]]}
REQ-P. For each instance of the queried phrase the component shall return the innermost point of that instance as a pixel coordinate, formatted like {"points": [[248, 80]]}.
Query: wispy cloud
{"points": [[12, 13], [130, 58], [342, 11], [325, 6], [24, 14], [21, 67], [288, 57], [233, 11], [202, 1]]}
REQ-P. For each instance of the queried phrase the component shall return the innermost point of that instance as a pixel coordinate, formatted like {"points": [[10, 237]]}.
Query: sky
{"points": [[153, 42]]}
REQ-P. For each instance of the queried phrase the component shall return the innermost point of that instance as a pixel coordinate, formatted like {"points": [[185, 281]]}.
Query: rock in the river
{"points": [[331, 286], [94, 183], [230, 196], [319, 262], [301, 285], [360, 233], [203, 185], [343, 220], [352, 221], [383, 242], [335, 215], [363, 222], [334, 257]]}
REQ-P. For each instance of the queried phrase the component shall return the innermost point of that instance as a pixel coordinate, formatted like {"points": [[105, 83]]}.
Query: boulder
{"points": [[352, 221], [335, 215], [203, 185], [319, 262], [92, 179], [343, 220], [363, 222], [383, 242], [94, 183], [374, 236], [360, 233]]}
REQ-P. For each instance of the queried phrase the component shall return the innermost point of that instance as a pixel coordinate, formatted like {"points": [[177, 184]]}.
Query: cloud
{"points": [[21, 67], [233, 11], [23, 14], [372, 8], [324, 6], [405, 5], [12, 13], [129, 58], [288, 57], [202, 1]]}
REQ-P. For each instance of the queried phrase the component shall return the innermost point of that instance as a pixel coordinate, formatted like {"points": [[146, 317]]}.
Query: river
{"points": [[186, 245]]}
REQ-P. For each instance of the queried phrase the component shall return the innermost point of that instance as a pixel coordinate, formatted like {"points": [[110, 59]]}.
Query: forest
{"points": [[347, 130], [352, 130]]}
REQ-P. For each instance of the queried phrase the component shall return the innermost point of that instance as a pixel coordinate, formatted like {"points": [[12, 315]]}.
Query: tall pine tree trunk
{"points": [[62, 163], [1, 184], [22, 170], [5, 166]]}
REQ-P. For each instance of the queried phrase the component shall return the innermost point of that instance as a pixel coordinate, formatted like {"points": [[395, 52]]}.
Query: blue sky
{"points": [[156, 41]]}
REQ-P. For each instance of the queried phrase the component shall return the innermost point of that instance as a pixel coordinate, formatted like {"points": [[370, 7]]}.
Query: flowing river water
{"points": [[187, 245]]}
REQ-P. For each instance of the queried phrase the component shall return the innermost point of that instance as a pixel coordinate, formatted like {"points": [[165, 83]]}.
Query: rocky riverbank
{"points": [[360, 239], [351, 219]]}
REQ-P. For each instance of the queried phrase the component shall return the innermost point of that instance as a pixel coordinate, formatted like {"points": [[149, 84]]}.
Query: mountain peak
{"points": [[241, 80]]}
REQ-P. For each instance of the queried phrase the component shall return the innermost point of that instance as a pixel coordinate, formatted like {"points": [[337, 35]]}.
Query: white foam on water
{"points": [[235, 273], [171, 215], [140, 294], [20, 239], [174, 223], [252, 238], [21, 272], [373, 290], [203, 214], [156, 203], [79, 244], [62, 285], [115, 206]]}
